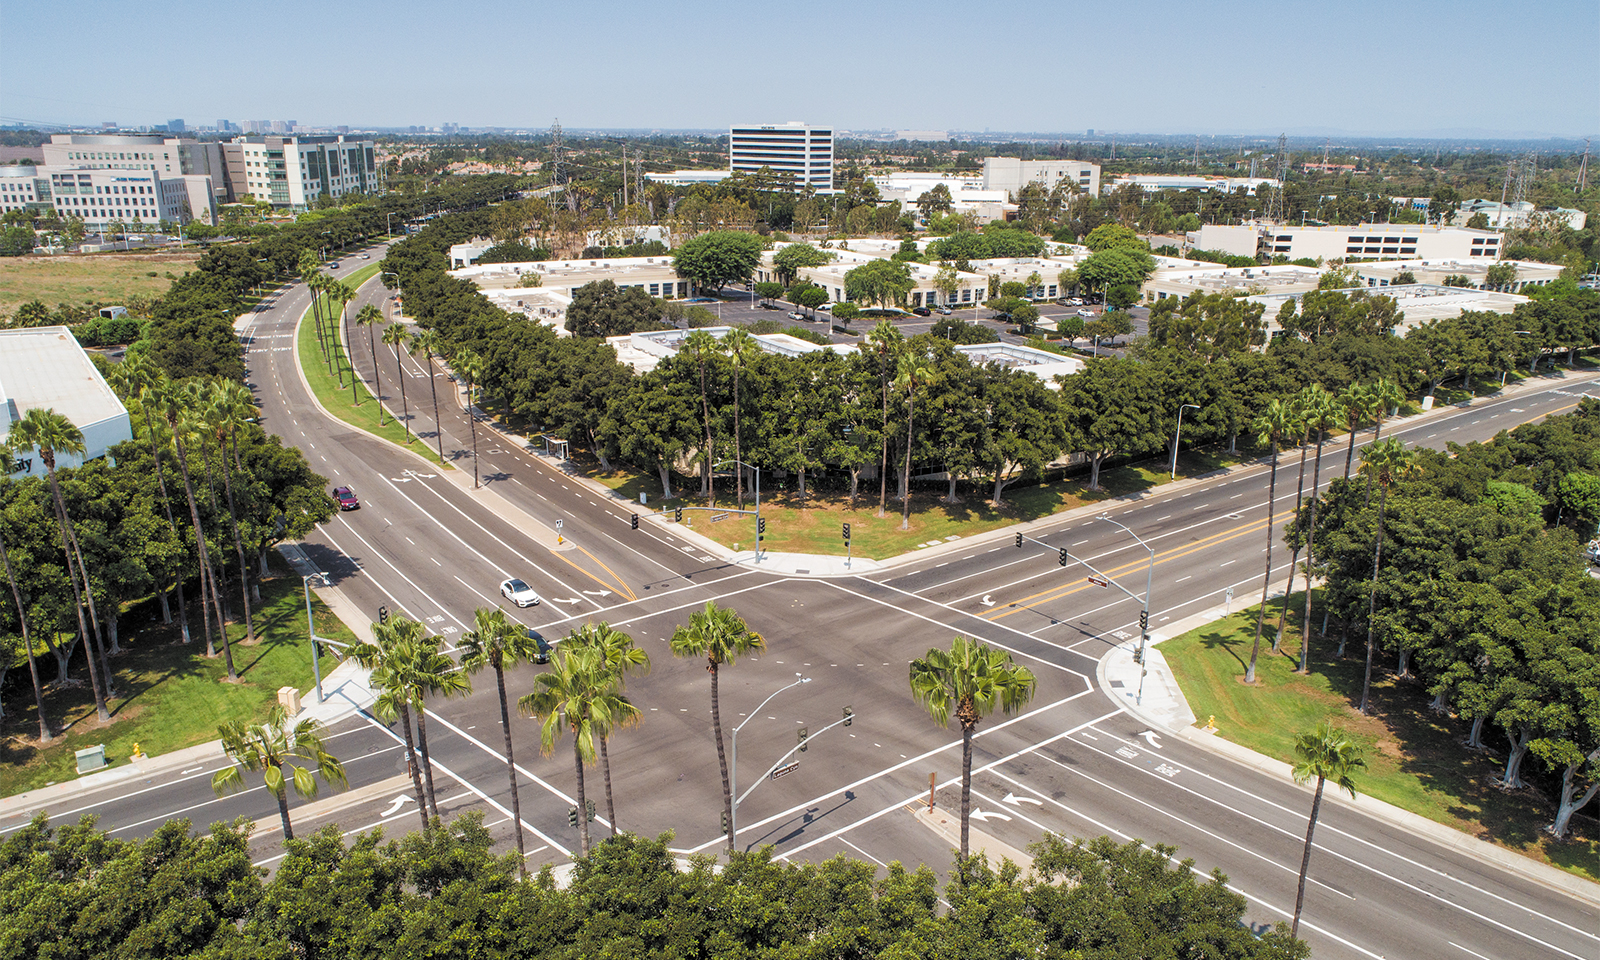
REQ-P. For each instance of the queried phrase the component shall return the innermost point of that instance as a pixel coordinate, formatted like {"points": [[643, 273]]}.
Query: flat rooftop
{"points": [[45, 367]]}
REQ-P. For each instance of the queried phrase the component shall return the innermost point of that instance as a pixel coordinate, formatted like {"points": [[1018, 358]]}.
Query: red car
{"points": [[346, 498]]}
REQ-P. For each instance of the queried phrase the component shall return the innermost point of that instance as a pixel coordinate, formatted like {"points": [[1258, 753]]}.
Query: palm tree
{"points": [[1356, 400], [977, 679], [915, 371], [426, 343], [887, 341], [742, 351], [269, 748], [225, 414], [370, 316], [495, 641], [1384, 394], [620, 655], [721, 636], [701, 347], [1301, 404], [1324, 414], [341, 293], [573, 694], [46, 733], [470, 367], [394, 335], [52, 433], [1277, 420], [314, 280], [1385, 461], [425, 670], [170, 403], [1326, 753], [183, 414], [385, 658]]}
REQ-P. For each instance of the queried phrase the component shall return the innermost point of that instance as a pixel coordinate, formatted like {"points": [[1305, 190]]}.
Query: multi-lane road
{"points": [[1073, 762]]}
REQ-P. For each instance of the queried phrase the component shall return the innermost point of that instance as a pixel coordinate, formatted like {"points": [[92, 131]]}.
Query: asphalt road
{"points": [[1073, 763]]}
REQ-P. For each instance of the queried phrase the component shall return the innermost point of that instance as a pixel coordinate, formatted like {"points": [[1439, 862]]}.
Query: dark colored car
{"points": [[921, 311], [346, 498], [542, 655]]}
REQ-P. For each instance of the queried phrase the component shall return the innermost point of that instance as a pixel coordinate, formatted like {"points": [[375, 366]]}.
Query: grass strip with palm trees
{"points": [[170, 694], [1415, 757], [328, 371]]}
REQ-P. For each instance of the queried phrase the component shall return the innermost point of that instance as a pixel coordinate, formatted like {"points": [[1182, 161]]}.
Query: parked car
{"points": [[366, 256], [796, 315], [346, 498], [1086, 314], [519, 593], [942, 311], [826, 307], [921, 311], [543, 648]]}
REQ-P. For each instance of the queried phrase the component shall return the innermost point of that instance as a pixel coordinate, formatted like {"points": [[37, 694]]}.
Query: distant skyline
{"points": [[1401, 68]]}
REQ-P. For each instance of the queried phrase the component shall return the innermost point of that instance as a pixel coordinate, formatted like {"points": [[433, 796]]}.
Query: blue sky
{"points": [[1201, 66]]}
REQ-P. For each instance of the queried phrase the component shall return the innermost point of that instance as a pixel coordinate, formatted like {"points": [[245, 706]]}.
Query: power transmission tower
{"points": [[1197, 153], [1505, 184], [1525, 172], [555, 152], [1275, 205], [1583, 168], [1326, 143]]}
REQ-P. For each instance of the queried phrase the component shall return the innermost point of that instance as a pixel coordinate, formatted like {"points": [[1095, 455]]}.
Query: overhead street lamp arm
{"points": [[792, 751], [1175, 435], [733, 767]]}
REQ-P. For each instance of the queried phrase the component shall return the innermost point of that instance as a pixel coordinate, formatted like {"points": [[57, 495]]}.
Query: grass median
{"points": [[330, 375], [1415, 758], [171, 695]]}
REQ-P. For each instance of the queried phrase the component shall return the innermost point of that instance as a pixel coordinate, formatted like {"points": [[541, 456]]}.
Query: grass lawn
{"points": [[364, 412], [172, 696], [88, 278], [1415, 758], [813, 525]]}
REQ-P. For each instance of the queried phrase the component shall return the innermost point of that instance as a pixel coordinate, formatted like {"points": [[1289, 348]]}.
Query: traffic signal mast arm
{"points": [[792, 751], [1067, 555]]}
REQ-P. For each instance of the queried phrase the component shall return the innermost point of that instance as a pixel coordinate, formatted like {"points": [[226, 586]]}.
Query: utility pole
{"points": [[1274, 211], [1197, 153], [1583, 168]]}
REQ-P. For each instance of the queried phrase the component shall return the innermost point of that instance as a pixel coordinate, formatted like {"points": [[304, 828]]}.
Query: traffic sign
{"points": [[786, 769], [1099, 581]]}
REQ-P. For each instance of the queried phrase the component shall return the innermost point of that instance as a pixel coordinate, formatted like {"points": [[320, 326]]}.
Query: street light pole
{"points": [[1144, 614], [733, 768], [311, 629], [1178, 433], [741, 463]]}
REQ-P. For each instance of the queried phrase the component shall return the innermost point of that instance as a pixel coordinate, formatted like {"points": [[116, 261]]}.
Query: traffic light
{"points": [[572, 816], [589, 806], [761, 527], [847, 533], [383, 614], [724, 821], [1019, 541], [802, 739], [1063, 556], [1144, 620], [635, 521], [677, 515], [849, 715]]}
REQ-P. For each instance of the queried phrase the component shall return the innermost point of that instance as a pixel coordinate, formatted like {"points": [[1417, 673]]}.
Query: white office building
{"points": [[292, 172], [21, 188], [1192, 184], [1505, 216], [803, 152], [1365, 241], [1010, 173], [171, 157], [128, 196], [45, 367]]}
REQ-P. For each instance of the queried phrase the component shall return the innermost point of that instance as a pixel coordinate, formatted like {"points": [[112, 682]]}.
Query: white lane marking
{"points": [[380, 556]]}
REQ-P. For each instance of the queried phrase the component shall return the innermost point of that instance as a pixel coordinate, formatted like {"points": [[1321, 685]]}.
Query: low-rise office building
{"points": [[1010, 173], [653, 275], [1417, 303], [1508, 216], [44, 367], [1366, 241], [104, 196], [1182, 278], [1191, 183], [1528, 273]]}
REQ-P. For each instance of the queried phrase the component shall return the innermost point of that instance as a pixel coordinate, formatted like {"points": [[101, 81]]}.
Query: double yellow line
{"points": [[1178, 553], [618, 582]]}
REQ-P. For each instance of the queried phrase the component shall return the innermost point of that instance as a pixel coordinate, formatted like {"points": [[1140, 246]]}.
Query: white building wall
{"points": [[1010, 173]]}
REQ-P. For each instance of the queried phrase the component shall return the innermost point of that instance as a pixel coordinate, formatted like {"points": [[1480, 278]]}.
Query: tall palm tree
{"points": [[385, 658], [977, 679], [1385, 461], [1278, 419], [621, 655], [886, 341], [1324, 414], [1326, 753], [742, 350], [426, 670], [394, 335], [341, 293], [571, 694], [46, 732], [226, 414], [469, 366], [1301, 403], [915, 371], [52, 433], [426, 343], [169, 402], [184, 414], [271, 747], [1384, 394], [370, 316], [314, 280], [495, 641], [721, 636], [702, 347], [142, 381], [1356, 400]]}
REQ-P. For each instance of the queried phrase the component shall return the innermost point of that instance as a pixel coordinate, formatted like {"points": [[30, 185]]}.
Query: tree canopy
{"points": [[713, 260]]}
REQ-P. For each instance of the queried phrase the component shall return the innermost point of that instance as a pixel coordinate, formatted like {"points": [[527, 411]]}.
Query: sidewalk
{"points": [[1164, 708]]}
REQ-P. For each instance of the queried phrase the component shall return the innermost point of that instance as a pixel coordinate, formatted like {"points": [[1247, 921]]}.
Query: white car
{"points": [[1086, 314], [519, 593], [796, 315]]}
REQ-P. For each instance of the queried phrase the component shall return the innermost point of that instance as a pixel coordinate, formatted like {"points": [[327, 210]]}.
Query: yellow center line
{"points": [[568, 560], [621, 584], [1064, 590]]}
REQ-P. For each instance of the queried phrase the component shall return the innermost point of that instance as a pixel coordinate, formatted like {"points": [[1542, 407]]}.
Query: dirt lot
{"points": [[86, 278]]}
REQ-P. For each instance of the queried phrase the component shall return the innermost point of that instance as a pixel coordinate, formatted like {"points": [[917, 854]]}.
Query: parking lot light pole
{"points": [[1144, 614], [311, 628], [733, 767], [1178, 433]]}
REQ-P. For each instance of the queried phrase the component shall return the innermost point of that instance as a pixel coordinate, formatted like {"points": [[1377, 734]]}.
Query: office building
{"points": [[292, 172], [128, 196], [1506, 216], [1365, 241], [45, 367], [168, 157], [797, 150], [1010, 173], [1192, 184], [174, 126], [21, 188]]}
